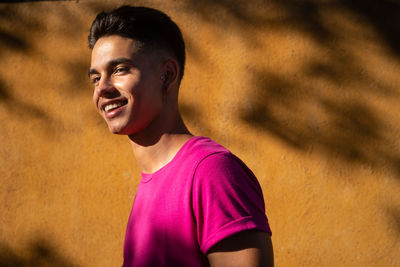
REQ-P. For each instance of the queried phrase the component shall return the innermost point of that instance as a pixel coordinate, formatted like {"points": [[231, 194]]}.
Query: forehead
{"points": [[111, 47]]}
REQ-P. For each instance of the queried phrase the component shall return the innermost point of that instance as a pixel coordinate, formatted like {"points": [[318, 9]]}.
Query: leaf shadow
{"points": [[38, 253]]}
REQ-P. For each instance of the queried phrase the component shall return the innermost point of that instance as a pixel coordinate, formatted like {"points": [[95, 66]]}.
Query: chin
{"points": [[123, 127], [121, 130], [116, 129]]}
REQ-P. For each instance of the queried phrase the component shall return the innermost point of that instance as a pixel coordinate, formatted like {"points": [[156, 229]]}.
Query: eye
{"points": [[94, 79], [121, 70]]}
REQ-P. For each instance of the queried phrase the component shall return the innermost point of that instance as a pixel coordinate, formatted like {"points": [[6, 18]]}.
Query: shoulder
{"points": [[201, 147], [215, 167], [227, 199], [225, 170], [198, 151], [222, 160], [207, 153]]}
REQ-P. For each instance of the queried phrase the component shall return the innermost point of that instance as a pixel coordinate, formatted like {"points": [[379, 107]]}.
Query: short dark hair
{"points": [[150, 27]]}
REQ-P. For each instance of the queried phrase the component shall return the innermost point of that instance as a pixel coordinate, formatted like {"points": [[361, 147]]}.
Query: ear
{"points": [[170, 76]]}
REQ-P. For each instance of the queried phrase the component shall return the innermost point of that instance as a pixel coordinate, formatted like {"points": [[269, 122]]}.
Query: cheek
{"points": [[95, 100], [127, 84]]}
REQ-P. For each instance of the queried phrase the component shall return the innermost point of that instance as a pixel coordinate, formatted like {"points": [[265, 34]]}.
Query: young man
{"points": [[197, 204]]}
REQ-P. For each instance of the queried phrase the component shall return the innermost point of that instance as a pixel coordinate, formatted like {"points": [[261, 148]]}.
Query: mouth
{"points": [[113, 108]]}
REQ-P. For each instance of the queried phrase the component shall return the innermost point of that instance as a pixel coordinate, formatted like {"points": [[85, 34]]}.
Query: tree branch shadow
{"points": [[25, 1], [20, 107], [305, 118], [17, 28], [301, 16], [307, 115], [39, 253]]}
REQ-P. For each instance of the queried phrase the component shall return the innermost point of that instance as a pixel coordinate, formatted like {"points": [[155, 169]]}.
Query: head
{"points": [[150, 28], [138, 58]]}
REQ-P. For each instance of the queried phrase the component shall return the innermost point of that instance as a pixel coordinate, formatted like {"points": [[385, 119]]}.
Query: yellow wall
{"points": [[305, 92]]}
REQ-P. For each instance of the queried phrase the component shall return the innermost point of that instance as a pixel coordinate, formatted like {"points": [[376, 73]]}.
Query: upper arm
{"points": [[248, 248], [227, 199]]}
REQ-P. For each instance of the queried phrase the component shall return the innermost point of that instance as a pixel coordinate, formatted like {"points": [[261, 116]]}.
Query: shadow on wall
{"points": [[394, 215], [11, 41], [39, 253], [299, 110], [325, 105], [306, 118], [18, 28], [307, 17], [24, 1], [19, 107]]}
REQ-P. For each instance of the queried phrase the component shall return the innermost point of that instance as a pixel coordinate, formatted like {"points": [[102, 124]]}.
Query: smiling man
{"points": [[197, 204]]}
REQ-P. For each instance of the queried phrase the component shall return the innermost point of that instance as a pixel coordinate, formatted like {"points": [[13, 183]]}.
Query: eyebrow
{"points": [[111, 63]]}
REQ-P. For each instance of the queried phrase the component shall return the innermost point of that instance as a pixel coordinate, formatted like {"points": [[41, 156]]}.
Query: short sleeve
{"points": [[227, 199]]}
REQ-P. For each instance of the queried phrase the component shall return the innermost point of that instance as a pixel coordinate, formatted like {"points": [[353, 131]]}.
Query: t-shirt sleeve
{"points": [[227, 199]]}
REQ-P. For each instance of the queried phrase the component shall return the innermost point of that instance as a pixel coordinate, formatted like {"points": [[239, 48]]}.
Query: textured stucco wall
{"points": [[305, 92]]}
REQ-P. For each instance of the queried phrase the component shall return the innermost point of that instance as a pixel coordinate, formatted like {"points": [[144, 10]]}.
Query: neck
{"points": [[157, 145]]}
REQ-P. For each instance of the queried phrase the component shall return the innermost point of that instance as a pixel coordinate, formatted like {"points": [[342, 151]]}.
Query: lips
{"points": [[113, 108]]}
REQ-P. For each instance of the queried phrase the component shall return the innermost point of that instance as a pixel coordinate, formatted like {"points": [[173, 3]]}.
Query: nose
{"points": [[105, 86]]}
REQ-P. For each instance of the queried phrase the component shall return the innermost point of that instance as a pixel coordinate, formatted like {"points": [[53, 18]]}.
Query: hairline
{"points": [[145, 48]]}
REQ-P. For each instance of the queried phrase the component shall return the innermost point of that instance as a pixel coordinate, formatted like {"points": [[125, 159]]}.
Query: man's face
{"points": [[127, 84]]}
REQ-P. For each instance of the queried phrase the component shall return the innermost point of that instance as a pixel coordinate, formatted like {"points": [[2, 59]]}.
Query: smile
{"points": [[114, 105]]}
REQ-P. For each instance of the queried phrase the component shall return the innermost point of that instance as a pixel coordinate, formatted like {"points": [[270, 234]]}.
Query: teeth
{"points": [[111, 106]]}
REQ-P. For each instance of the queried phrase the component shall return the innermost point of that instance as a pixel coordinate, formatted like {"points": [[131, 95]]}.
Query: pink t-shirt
{"points": [[202, 196]]}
